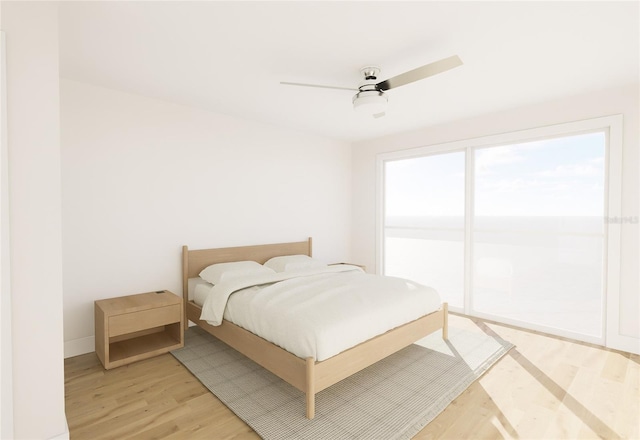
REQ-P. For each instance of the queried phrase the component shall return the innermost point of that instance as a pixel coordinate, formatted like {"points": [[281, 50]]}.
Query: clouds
{"points": [[589, 168], [488, 159], [555, 177], [561, 176]]}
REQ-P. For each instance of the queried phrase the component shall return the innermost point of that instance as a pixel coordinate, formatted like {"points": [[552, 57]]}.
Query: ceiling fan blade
{"points": [[317, 85], [420, 73], [379, 115]]}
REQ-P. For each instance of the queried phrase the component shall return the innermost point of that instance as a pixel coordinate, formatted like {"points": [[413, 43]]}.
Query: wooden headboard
{"points": [[193, 261]]}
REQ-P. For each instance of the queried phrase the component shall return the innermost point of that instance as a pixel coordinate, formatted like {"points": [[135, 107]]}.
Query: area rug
{"points": [[392, 399]]}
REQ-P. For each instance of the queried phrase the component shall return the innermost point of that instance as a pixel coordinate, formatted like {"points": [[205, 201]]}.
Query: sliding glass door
{"points": [[424, 222], [511, 231], [538, 233]]}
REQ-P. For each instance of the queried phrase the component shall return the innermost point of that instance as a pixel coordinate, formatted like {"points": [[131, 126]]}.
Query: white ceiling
{"points": [[229, 57]]}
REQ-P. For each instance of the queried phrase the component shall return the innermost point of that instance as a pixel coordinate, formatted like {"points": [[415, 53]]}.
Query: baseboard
{"points": [[624, 343], [64, 435], [76, 347]]}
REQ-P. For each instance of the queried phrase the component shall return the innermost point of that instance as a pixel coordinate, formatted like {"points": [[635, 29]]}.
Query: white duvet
{"points": [[318, 313]]}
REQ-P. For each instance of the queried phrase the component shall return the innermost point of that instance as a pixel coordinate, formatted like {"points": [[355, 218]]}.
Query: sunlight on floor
{"points": [[552, 388]]}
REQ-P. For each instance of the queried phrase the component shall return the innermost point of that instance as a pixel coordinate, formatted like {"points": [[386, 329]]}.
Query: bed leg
{"points": [[445, 321], [310, 391]]}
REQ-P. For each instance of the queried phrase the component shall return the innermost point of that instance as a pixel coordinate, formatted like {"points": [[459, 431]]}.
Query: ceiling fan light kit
{"points": [[370, 102], [371, 98]]}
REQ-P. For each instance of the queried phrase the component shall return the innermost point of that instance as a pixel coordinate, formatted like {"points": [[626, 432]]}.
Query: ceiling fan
{"points": [[371, 98]]}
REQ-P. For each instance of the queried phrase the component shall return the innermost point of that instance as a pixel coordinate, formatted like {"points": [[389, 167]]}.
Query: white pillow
{"points": [[217, 273], [290, 263]]}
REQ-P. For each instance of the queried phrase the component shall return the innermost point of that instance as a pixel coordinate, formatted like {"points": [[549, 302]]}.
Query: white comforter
{"points": [[318, 313]]}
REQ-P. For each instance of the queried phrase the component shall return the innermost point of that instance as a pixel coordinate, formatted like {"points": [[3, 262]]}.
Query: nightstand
{"points": [[135, 327]]}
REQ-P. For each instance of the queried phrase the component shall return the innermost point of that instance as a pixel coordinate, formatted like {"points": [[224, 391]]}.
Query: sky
{"points": [[552, 177]]}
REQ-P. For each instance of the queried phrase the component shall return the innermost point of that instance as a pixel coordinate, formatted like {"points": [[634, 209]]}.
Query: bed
{"points": [[301, 371]]}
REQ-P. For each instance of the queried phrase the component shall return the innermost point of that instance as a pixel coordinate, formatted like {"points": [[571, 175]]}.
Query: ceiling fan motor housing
{"points": [[370, 99], [370, 73]]}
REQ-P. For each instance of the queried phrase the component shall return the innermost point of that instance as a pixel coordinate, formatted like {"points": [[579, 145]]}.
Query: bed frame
{"points": [[307, 375]]}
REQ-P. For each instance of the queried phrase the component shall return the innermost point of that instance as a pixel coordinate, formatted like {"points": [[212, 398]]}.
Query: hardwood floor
{"points": [[545, 388]]}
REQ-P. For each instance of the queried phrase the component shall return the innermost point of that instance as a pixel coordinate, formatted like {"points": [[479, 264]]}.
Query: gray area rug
{"points": [[393, 399]]}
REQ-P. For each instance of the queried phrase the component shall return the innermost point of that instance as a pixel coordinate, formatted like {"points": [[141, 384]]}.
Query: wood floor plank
{"points": [[627, 416], [615, 368], [134, 422], [544, 388], [94, 415]]}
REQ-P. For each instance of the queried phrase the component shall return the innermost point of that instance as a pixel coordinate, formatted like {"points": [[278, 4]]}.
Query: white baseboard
{"points": [[624, 343], [64, 435], [80, 346]]}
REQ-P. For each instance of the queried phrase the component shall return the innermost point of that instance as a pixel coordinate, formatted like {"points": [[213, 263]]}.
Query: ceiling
{"points": [[229, 57]]}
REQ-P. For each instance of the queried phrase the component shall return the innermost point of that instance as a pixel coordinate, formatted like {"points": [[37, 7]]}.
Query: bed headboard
{"points": [[193, 261]]}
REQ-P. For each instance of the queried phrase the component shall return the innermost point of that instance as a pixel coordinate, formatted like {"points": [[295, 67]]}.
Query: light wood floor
{"points": [[545, 388]]}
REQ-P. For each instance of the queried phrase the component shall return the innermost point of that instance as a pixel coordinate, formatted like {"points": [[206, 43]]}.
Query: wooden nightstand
{"points": [[135, 327]]}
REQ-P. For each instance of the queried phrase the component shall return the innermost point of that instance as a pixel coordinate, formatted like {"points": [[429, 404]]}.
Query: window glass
{"points": [[424, 222], [539, 232]]}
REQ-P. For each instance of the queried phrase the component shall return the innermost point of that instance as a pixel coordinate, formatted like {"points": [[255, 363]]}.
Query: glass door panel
{"points": [[538, 235], [424, 222]]}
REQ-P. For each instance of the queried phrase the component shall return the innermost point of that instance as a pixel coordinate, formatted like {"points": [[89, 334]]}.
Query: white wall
{"points": [[142, 177], [6, 349], [33, 126], [622, 100]]}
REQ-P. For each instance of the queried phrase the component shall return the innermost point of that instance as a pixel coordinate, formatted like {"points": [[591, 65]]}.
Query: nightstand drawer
{"points": [[144, 319]]}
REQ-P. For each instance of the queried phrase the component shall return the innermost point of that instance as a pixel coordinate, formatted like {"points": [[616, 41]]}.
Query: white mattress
{"points": [[321, 315]]}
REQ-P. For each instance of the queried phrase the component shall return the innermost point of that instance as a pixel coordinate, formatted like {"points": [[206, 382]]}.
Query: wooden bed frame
{"points": [[307, 375]]}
